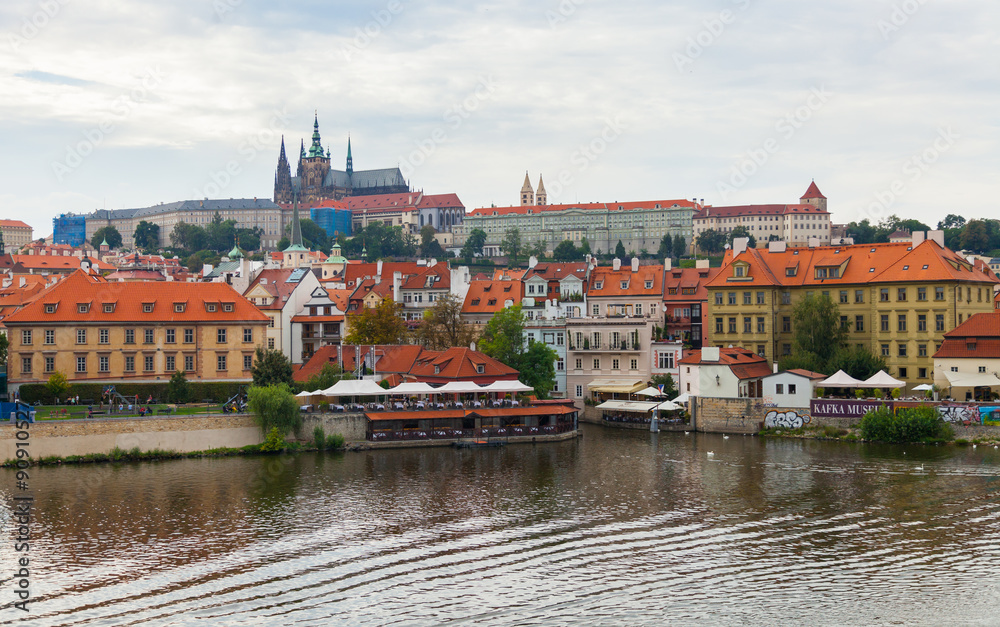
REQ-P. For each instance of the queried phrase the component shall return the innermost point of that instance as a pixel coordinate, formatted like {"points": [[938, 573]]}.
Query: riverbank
{"points": [[971, 435]]}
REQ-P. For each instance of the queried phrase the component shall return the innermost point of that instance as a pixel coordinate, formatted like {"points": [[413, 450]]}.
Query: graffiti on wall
{"points": [[959, 414], [790, 419]]}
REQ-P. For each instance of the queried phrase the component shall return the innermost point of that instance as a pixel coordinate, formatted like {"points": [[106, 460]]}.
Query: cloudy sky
{"points": [[890, 105]]}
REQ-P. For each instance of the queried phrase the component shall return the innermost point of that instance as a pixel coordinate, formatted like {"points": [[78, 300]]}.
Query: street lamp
{"points": [[717, 380]]}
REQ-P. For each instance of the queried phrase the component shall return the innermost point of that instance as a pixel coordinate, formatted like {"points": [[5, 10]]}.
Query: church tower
{"points": [[814, 197], [315, 165], [527, 193], [350, 160], [283, 177], [541, 198]]}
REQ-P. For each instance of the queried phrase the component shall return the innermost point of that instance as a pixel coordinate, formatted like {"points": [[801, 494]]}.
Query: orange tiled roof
{"points": [[595, 206], [610, 281], [555, 271], [419, 281], [274, 284], [977, 337], [459, 364], [812, 192], [756, 210], [682, 279], [14, 223], [491, 296], [57, 262], [128, 299]]}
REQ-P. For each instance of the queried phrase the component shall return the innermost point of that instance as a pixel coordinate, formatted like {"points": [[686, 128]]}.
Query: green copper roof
{"points": [[316, 149], [296, 248], [104, 242], [235, 252]]}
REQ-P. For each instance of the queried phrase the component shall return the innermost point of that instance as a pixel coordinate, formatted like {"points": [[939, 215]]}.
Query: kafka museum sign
{"points": [[823, 408]]}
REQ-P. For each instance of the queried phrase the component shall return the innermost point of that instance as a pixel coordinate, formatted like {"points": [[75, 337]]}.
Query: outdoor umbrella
{"points": [[651, 391]]}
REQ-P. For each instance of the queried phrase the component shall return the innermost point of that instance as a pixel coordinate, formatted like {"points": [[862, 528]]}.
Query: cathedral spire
{"points": [[283, 176], [316, 149], [527, 193], [296, 225], [541, 197], [350, 160]]}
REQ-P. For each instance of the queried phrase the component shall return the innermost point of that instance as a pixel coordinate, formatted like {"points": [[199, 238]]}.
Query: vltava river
{"points": [[618, 528]]}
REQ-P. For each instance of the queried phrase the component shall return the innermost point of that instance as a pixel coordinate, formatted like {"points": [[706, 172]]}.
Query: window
{"points": [[921, 350], [747, 324], [103, 363], [859, 296], [638, 309], [982, 368], [633, 364], [883, 295], [147, 308], [791, 388], [596, 310], [189, 336], [595, 340], [171, 338], [623, 285], [81, 364], [597, 364], [129, 363], [901, 294], [859, 324], [843, 323], [130, 336], [939, 322], [921, 293], [614, 364], [560, 366], [559, 339], [50, 308], [902, 349], [732, 298], [147, 336], [922, 373], [220, 338], [732, 325], [760, 298], [718, 325], [665, 361], [178, 307], [579, 364], [227, 307], [718, 298], [109, 308], [921, 322], [82, 308], [901, 323], [270, 322], [739, 271], [884, 322], [885, 350], [579, 391], [649, 285], [26, 336], [220, 362], [938, 293], [902, 373], [171, 364], [50, 364], [81, 336], [248, 335], [147, 363], [760, 324], [26, 365], [248, 362], [50, 336], [786, 298], [747, 298], [843, 296], [189, 363], [779, 388], [210, 307], [786, 324], [270, 343]]}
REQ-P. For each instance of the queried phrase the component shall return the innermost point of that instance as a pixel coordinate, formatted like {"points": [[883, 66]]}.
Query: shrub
{"points": [[911, 424], [274, 442], [319, 437], [335, 441], [859, 393], [178, 389], [275, 407], [57, 384]]}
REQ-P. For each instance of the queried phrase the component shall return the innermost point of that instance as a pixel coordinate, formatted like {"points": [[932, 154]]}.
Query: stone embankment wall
{"points": [[353, 427], [63, 438]]}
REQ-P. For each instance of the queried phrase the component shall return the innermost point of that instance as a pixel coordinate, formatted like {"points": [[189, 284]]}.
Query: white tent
{"points": [[507, 386], [458, 387], [650, 391], [683, 398], [971, 380], [668, 406], [841, 380], [881, 379], [309, 394], [635, 407], [362, 387], [411, 387], [923, 387]]}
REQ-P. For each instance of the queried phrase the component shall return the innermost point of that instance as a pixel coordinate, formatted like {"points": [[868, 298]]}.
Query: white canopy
{"points": [[668, 406], [683, 398], [881, 379], [361, 387], [507, 386], [308, 394], [411, 387], [923, 387], [650, 391], [841, 379], [457, 387], [972, 379], [636, 407]]}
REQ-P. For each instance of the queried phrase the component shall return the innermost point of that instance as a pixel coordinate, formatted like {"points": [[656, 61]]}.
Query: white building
{"points": [[791, 388]]}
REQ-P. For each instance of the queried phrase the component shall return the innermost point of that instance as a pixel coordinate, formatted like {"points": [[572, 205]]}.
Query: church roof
{"points": [[360, 179], [812, 192], [185, 205]]}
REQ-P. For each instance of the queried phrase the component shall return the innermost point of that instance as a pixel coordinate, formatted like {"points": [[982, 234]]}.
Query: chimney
{"points": [[740, 245], [936, 236], [616, 264], [775, 367], [22, 282], [917, 238], [433, 262], [635, 264], [813, 242], [776, 247], [667, 264], [701, 264], [710, 353], [532, 261], [397, 279], [378, 269]]}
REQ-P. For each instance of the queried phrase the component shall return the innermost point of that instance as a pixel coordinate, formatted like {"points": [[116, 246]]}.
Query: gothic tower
{"points": [[315, 165], [814, 197], [283, 177], [541, 197], [350, 160], [527, 194]]}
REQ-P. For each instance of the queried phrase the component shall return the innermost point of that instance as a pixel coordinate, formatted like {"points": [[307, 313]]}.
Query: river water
{"points": [[617, 528]]}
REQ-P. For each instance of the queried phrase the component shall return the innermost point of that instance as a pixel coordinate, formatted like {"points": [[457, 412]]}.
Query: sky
{"points": [[891, 106]]}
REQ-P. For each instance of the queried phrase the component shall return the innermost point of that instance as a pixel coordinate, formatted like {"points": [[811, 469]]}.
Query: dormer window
{"points": [[480, 369], [227, 307], [147, 308], [82, 308], [791, 271], [475, 302], [210, 307], [598, 285], [109, 308], [739, 271], [437, 369], [624, 285], [649, 285], [491, 301], [179, 307], [50, 308]]}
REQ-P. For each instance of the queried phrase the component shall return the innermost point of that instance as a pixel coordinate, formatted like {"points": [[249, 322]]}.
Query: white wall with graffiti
{"points": [[786, 419]]}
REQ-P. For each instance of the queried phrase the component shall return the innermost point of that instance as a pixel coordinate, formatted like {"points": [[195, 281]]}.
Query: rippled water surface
{"points": [[618, 528]]}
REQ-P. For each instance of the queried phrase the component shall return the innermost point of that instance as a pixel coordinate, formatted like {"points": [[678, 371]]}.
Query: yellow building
{"points": [[15, 234], [899, 299], [94, 331]]}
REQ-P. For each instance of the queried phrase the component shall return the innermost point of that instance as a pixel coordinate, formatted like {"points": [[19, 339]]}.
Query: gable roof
{"points": [[610, 281], [682, 279], [595, 206], [743, 363], [556, 271], [275, 283], [812, 192], [459, 363], [490, 296], [757, 210]]}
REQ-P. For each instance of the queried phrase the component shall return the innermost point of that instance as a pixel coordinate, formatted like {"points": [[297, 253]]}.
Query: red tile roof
{"points": [[610, 281], [756, 210], [460, 364], [128, 300], [14, 223], [978, 325], [681, 279], [491, 296], [812, 192], [274, 282], [62, 263], [408, 200], [418, 281], [977, 337], [744, 364], [555, 271], [596, 206]]}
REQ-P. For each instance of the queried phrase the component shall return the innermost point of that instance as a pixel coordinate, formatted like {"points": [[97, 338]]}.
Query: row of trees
{"points": [[978, 236]]}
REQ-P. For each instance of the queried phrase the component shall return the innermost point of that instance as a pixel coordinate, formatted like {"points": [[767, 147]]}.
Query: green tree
{"points": [[566, 251], [666, 248], [57, 384], [443, 327], [539, 249], [741, 231], [330, 374], [473, 246], [584, 247], [377, 325], [147, 235], [817, 328], [313, 235], [429, 246], [859, 361], [680, 246], [271, 367], [274, 407], [511, 245], [537, 368], [178, 389], [620, 250], [975, 237], [951, 221], [249, 239], [667, 381], [503, 340], [189, 237], [710, 242], [109, 233], [4, 346]]}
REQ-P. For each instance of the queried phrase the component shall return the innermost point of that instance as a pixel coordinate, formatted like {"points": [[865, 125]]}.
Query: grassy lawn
{"points": [[67, 412]]}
